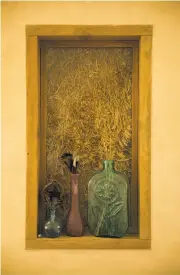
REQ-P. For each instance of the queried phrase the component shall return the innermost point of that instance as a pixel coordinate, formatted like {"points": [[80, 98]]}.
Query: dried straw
{"points": [[88, 110]]}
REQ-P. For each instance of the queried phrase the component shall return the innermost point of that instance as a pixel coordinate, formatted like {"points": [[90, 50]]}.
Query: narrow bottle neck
{"points": [[108, 165], [74, 191], [53, 209], [52, 215]]}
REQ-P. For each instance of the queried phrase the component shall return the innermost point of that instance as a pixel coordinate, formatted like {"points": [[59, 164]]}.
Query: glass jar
{"points": [[107, 202]]}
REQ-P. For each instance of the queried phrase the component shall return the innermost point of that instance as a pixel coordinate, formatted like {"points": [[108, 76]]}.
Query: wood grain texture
{"points": [[89, 31], [33, 136], [43, 114], [42, 144], [144, 142], [87, 43], [134, 180], [89, 243]]}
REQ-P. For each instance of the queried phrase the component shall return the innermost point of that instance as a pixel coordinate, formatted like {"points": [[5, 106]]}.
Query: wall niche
{"points": [[87, 103]]}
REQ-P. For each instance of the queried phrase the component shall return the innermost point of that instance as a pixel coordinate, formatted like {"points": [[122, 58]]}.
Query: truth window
{"points": [[89, 94]]}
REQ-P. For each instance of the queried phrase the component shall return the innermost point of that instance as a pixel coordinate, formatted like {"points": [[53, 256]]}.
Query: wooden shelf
{"points": [[89, 242]]}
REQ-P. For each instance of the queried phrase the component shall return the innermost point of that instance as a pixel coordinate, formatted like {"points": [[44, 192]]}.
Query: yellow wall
{"points": [[163, 258]]}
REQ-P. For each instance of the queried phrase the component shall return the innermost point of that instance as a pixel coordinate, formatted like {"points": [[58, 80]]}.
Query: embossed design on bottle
{"points": [[107, 202]]}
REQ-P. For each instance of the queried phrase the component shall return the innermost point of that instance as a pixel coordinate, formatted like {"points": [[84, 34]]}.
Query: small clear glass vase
{"points": [[107, 202], [52, 227]]}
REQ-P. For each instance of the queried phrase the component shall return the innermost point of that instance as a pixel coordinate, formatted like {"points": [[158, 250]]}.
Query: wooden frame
{"points": [[133, 187], [140, 34]]}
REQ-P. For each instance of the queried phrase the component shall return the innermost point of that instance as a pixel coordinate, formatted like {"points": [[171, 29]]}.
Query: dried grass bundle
{"points": [[89, 110]]}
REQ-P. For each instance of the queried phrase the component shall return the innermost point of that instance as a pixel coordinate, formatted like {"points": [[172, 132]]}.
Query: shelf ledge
{"points": [[89, 242]]}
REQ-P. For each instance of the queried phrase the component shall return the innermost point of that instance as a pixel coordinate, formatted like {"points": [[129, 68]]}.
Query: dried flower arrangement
{"points": [[71, 161], [89, 111]]}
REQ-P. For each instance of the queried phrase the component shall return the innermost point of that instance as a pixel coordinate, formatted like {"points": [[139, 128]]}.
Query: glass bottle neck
{"points": [[52, 214], [53, 209], [108, 165]]}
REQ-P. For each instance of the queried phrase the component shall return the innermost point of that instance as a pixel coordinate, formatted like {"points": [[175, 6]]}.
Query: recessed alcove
{"points": [[88, 91]]}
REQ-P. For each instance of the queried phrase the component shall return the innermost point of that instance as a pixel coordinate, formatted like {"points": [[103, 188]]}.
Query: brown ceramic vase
{"points": [[74, 226]]}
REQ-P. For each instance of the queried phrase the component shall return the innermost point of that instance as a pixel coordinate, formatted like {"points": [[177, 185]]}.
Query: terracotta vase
{"points": [[74, 221]]}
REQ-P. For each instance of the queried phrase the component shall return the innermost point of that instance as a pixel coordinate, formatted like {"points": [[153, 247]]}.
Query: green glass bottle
{"points": [[107, 202]]}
